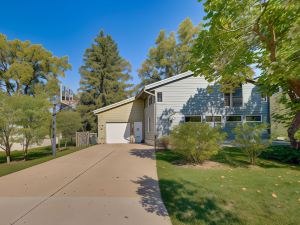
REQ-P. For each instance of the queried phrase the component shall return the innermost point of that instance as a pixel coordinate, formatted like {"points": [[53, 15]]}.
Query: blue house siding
{"points": [[189, 96]]}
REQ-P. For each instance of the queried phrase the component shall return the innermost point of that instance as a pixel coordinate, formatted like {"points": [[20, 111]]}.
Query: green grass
{"points": [[234, 194], [35, 156]]}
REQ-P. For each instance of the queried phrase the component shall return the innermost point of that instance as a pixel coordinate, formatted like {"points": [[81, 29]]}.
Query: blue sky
{"points": [[69, 27]]}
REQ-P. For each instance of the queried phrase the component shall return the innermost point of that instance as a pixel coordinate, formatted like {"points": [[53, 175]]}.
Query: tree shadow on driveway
{"points": [[143, 153], [150, 196]]}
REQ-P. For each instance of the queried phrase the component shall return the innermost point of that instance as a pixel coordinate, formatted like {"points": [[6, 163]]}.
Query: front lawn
{"points": [[35, 156], [234, 193]]}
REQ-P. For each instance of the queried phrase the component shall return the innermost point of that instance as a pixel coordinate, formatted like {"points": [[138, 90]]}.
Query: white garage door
{"points": [[117, 133]]}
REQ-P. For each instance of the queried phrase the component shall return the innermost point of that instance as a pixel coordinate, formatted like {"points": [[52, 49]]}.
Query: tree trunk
{"points": [[8, 156], [295, 125]]}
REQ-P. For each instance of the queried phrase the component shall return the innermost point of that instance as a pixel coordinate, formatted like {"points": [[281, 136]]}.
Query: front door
{"points": [[138, 132]]}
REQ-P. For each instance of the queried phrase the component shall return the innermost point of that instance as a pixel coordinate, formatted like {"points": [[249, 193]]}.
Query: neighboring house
{"points": [[182, 98]]}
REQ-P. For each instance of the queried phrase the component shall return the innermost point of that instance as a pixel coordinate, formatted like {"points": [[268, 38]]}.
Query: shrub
{"points": [[249, 138], [164, 142], [196, 142]]}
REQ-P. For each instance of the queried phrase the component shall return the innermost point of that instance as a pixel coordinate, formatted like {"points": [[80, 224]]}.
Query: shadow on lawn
{"points": [[235, 157], [143, 153], [32, 154], [189, 207], [150, 196]]}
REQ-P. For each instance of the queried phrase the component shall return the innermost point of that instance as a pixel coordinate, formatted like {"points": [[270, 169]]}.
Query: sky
{"points": [[69, 27]]}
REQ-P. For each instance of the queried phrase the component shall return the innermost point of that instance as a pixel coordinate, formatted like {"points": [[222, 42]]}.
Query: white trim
{"points": [[114, 105], [253, 121], [167, 80]]}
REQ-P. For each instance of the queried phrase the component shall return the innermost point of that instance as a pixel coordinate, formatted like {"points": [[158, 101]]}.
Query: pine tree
{"points": [[171, 55], [104, 78]]}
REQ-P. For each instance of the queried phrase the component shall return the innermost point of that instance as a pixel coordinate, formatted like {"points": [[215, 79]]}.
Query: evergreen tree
{"points": [[171, 55], [104, 78]]}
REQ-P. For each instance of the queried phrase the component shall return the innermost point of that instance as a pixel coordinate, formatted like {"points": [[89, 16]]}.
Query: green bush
{"points": [[249, 138], [196, 142], [164, 142]]}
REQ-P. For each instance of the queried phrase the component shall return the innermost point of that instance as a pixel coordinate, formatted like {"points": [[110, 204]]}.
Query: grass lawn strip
{"points": [[234, 194], [35, 156]]}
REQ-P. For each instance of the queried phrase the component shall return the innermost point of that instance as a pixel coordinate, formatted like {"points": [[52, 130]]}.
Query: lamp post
{"points": [[54, 127]]}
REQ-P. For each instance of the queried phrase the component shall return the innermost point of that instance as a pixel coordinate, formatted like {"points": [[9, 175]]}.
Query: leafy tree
{"points": [[196, 142], [9, 117], [104, 78], [249, 138], [68, 122], [261, 34], [23, 66], [34, 119], [170, 55]]}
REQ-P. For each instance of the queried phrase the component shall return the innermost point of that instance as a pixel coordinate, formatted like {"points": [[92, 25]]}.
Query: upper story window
{"points": [[234, 99], [159, 97], [194, 119], [264, 98]]}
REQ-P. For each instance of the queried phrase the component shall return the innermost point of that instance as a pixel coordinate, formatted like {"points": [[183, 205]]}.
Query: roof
{"points": [[168, 80], [147, 87], [114, 105]]}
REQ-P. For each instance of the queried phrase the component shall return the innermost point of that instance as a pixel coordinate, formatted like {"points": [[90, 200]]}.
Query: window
{"points": [[233, 118], [264, 98], [213, 119], [149, 124], [237, 97], [150, 100], [159, 97], [234, 99], [227, 100], [194, 119], [253, 118]]}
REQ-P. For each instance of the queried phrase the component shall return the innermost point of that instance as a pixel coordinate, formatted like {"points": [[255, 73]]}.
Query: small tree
{"points": [[34, 120], [68, 122], [249, 138], [196, 142], [9, 117]]}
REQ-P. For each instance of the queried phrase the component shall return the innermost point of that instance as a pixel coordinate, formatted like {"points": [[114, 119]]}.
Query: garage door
{"points": [[117, 133]]}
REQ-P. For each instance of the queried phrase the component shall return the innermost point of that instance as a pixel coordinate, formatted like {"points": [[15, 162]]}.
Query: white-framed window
{"points": [[149, 124], [193, 118], [234, 118], [159, 96], [234, 99], [263, 97], [213, 119], [256, 118]]}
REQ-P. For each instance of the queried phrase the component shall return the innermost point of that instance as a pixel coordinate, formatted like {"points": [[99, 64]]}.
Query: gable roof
{"points": [[147, 87], [168, 80], [114, 105]]}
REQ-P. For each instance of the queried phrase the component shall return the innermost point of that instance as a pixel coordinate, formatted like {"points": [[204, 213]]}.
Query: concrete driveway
{"points": [[103, 184]]}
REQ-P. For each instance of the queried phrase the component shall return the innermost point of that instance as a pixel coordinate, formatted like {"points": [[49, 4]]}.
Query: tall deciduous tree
{"points": [[24, 65], [104, 78], [240, 35], [171, 54]]}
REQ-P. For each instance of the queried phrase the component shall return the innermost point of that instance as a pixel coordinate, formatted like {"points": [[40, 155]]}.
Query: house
{"points": [[182, 98]]}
